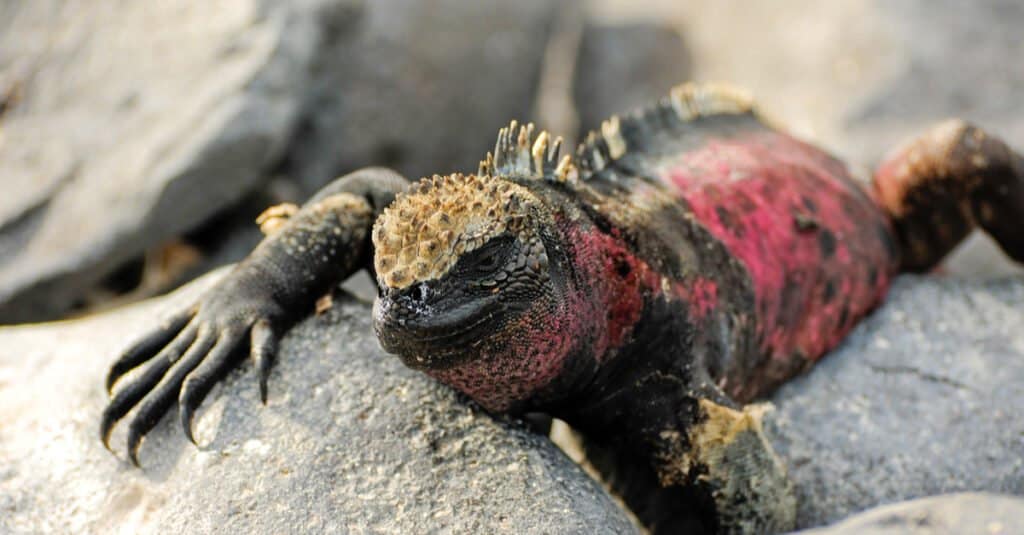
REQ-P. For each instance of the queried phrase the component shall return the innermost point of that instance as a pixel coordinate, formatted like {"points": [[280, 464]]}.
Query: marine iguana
{"points": [[685, 261]]}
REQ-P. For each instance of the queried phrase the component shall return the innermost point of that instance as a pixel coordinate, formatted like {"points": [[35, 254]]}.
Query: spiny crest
{"points": [[691, 100], [518, 153], [685, 103], [425, 232], [602, 147]]}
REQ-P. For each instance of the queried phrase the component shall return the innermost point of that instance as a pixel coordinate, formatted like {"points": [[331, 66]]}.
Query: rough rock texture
{"points": [[126, 123], [940, 515], [957, 56], [422, 87], [923, 398], [350, 441]]}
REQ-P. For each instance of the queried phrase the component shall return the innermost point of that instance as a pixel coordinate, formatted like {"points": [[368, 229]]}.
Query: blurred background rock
{"points": [[139, 140]]}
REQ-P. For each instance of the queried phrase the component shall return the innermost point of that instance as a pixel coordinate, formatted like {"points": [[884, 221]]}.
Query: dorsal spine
{"points": [[685, 103], [519, 153]]}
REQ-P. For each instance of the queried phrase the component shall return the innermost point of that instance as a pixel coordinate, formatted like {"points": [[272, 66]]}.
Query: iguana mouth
{"points": [[437, 340]]}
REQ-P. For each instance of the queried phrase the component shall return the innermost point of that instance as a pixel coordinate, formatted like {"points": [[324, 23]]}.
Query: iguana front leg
{"points": [[312, 250]]}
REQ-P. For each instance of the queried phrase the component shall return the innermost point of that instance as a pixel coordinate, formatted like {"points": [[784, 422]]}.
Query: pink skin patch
{"points": [[619, 281], [526, 359], [813, 244]]}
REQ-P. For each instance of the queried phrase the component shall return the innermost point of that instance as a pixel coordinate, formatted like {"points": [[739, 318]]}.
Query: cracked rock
{"points": [[350, 440], [925, 397]]}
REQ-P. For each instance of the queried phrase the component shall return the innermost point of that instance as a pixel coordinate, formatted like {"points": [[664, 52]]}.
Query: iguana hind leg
{"points": [[938, 187]]}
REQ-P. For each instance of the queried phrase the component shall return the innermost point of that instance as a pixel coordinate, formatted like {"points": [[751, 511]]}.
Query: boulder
{"points": [[119, 134], [920, 400], [939, 515], [125, 124], [622, 66], [350, 440], [923, 398], [422, 87]]}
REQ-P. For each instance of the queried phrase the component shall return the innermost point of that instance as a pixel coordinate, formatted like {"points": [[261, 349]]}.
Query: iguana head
{"points": [[468, 292]]}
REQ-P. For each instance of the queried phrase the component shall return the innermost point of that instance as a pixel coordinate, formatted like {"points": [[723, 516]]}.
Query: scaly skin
{"points": [[686, 261]]}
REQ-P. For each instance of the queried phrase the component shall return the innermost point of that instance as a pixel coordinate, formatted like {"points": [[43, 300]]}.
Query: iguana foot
{"points": [[183, 358], [307, 252]]}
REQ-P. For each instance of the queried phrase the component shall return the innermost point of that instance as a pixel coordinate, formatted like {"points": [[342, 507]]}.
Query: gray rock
{"points": [[956, 59], [126, 124], [350, 441], [624, 66], [940, 515], [180, 129], [422, 87], [923, 398]]}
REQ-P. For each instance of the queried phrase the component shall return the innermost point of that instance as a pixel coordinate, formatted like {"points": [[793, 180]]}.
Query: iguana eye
{"points": [[491, 257], [489, 260]]}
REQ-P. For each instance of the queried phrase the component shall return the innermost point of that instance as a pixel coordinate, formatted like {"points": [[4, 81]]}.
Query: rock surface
{"points": [[920, 400], [119, 134], [963, 513], [422, 87], [127, 123], [923, 398], [350, 440], [624, 66]]}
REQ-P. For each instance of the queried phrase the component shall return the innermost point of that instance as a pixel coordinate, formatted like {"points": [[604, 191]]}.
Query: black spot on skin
{"points": [[743, 202], [622, 267], [792, 291], [830, 291], [872, 275], [827, 242], [769, 191], [724, 216], [804, 222], [844, 315], [729, 222], [809, 204]]}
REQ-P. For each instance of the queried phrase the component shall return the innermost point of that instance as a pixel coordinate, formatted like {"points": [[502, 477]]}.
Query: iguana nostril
{"points": [[419, 293]]}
